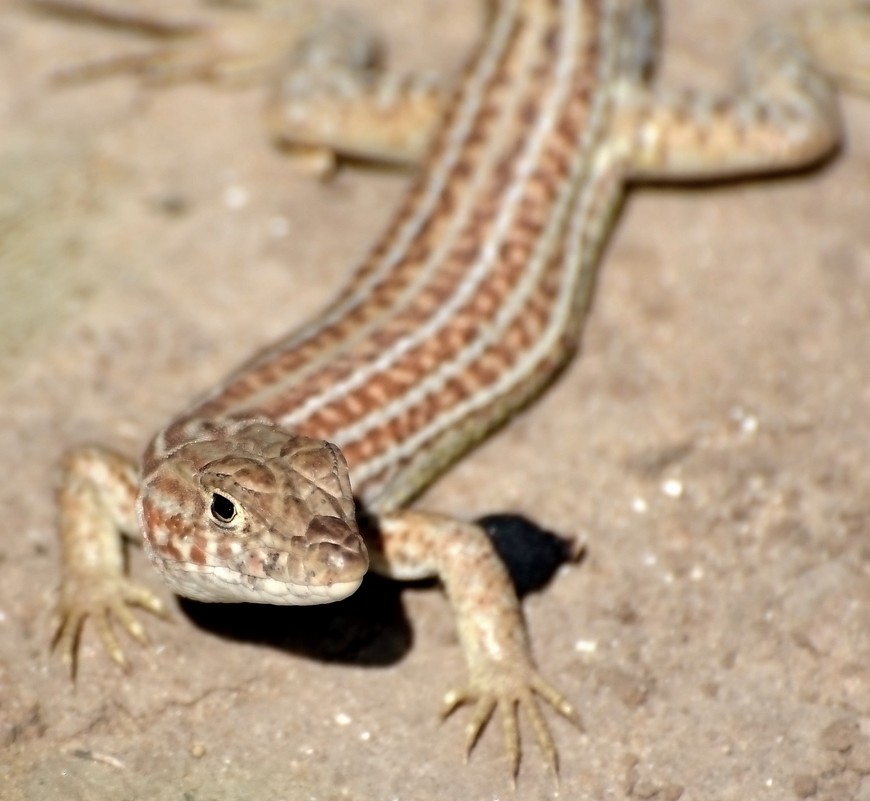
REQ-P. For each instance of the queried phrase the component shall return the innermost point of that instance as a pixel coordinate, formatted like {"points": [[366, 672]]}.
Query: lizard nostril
{"points": [[336, 550]]}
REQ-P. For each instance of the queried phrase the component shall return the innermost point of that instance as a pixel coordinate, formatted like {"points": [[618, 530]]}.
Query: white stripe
{"points": [[478, 271], [473, 96], [580, 255], [562, 88]]}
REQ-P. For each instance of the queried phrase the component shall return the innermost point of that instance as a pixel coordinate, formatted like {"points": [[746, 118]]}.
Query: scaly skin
{"points": [[465, 310]]}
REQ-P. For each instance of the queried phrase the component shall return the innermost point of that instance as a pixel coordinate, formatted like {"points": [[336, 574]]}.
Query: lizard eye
{"points": [[223, 510]]}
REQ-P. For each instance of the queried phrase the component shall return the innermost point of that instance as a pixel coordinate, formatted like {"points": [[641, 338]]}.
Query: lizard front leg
{"points": [[96, 501], [503, 677]]}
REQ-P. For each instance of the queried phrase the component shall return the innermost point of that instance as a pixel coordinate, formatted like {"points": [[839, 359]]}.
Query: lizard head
{"points": [[249, 512]]}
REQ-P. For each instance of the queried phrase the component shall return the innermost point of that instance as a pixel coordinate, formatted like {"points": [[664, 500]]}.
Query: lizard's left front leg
{"points": [[410, 545], [97, 504]]}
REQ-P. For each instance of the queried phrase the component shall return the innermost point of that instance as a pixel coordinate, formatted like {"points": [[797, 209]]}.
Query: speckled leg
{"points": [[783, 115], [410, 545], [329, 95], [97, 503], [332, 97]]}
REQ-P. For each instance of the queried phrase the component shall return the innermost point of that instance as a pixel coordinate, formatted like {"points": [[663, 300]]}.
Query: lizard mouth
{"points": [[223, 584], [326, 564], [232, 587]]}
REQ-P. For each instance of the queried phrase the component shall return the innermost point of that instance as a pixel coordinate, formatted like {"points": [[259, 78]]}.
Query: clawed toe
{"points": [[103, 603], [516, 695]]}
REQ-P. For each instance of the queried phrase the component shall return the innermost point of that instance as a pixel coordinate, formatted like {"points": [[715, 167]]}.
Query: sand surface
{"points": [[711, 445]]}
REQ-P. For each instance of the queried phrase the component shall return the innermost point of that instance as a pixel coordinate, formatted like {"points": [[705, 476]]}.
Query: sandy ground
{"points": [[711, 444]]}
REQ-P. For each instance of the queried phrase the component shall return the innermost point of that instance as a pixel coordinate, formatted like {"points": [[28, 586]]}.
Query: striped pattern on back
{"points": [[471, 301]]}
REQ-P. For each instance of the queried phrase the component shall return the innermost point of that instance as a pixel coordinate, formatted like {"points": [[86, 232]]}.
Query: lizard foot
{"points": [[101, 598], [510, 691]]}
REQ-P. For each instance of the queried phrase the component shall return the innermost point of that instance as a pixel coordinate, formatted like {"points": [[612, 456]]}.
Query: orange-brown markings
{"points": [[455, 186], [274, 364], [520, 335], [280, 379], [169, 531], [163, 531], [466, 325], [174, 436], [495, 360], [224, 551], [199, 550], [476, 425]]}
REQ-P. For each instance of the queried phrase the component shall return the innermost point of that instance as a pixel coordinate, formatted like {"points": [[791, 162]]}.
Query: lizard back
{"points": [[471, 301]]}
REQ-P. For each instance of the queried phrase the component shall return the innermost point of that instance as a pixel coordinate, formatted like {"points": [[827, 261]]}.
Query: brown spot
{"points": [[284, 371], [224, 551], [198, 554]]}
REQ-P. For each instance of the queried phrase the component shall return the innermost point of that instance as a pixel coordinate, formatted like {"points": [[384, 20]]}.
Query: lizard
{"points": [[292, 477]]}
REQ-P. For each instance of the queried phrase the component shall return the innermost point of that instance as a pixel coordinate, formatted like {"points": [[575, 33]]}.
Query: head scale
{"points": [[249, 512]]}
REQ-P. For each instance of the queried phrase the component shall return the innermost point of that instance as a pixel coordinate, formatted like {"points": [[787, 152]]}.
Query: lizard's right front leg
{"points": [[97, 504]]}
